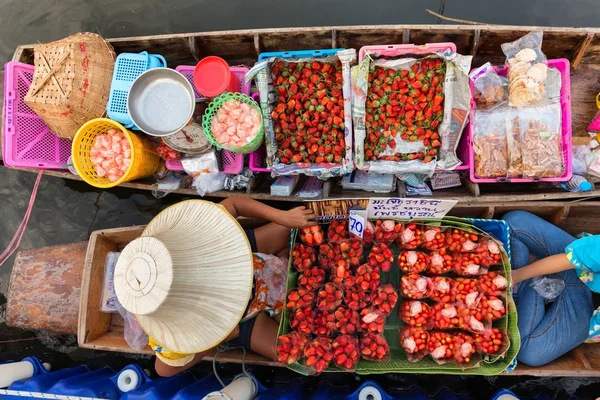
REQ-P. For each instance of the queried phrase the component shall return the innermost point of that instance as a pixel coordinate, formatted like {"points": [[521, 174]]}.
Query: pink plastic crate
{"points": [[258, 158], [240, 72], [232, 163], [563, 66], [28, 142]]}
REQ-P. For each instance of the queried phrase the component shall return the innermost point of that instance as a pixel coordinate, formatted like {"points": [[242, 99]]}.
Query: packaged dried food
{"points": [[490, 144], [513, 142], [489, 88]]}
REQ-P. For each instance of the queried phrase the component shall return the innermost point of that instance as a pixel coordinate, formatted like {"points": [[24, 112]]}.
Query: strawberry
{"points": [[414, 341], [329, 297], [466, 291], [352, 251], [300, 298], [311, 236], [290, 347], [443, 289], [303, 257], [318, 354], [346, 352], [367, 277], [411, 237], [492, 343], [384, 299], [441, 262], [323, 323], [488, 308], [338, 230], [311, 278], [371, 320], [442, 346], [465, 348], [461, 240], [356, 299], [492, 284], [368, 233], [329, 255], [416, 313], [381, 256], [341, 275], [346, 320], [433, 239], [415, 286], [413, 262], [374, 347], [386, 231], [301, 320]]}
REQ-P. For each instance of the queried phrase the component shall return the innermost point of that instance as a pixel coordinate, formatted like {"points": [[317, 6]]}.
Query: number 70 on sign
{"points": [[356, 224]]}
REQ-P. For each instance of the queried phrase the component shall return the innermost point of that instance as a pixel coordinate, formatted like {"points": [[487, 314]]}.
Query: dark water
{"points": [[68, 211]]}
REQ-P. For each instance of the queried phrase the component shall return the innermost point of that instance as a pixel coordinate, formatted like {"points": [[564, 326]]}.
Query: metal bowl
{"points": [[161, 102]]}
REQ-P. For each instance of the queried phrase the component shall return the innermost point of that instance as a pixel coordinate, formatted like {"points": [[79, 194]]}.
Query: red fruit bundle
{"points": [[473, 320], [356, 298], [488, 252], [448, 316], [303, 257], [441, 262], [308, 114], [469, 264], [442, 289], [384, 299], [367, 277], [371, 320], [413, 262], [329, 255], [300, 298], [311, 236], [346, 352], [416, 314], [329, 297], [492, 284], [465, 348], [341, 275], [387, 231], [324, 323], [368, 233], [414, 341], [442, 346], [338, 230], [433, 238], [318, 353], [411, 237], [352, 251], [301, 320], [466, 291], [311, 278], [381, 256], [374, 347], [167, 153], [493, 343], [490, 307], [461, 240], [290, 347], [346, 320], [415, 286]]}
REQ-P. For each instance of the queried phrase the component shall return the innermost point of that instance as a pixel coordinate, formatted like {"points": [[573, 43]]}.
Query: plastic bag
{"points": [[443, 289], [318, 354], [374, 347], [490, 143], [466, 352], [135, 336], [371, 320], [415, 286], [580, 157], [527, 70], [548, 288], [415, 342], [323, 323], [109, 301], [489, 87], [442, 346], [416, 314], [513, 142], [290, 347], [346, 352], [493, 343], [541, 141]]}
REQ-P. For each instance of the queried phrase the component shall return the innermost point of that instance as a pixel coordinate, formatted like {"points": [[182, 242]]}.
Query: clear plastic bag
{"points": [[490, 88], [135, 336], [109, 301], [490, 144], [548, 288], [513, 142], [415, 342]]}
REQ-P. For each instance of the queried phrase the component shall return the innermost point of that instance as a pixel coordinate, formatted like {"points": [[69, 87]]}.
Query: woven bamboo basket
{"points": [[71, 82]]}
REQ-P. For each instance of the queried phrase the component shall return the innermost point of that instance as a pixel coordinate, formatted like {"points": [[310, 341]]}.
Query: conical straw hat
{"points": [[188, 278]]}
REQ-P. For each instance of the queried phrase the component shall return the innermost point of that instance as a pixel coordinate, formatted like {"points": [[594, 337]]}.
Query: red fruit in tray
{"points": [[443, 289], [468, 264], [301, 320], [371, 320], [369, 233], [414, 341], [367, 277], [338, 230], [441, 262], [411, 237], [311, 278], [384, 299], [488, 308], [416, 313], [381, 256], [329, 255], [473, 320], [346, 352], [346, 320], [492, 284], [300, 298], [311, 236], [461, 240], [342, 277], [290, 347], [413, 262], [415, 286], [352, 251], [492, 343], [329, 297], [488, 252], [447, 315], [465, 348], [387, 231], [374, 347], [303, 257], [433, 238], [466, 291], [318, 354], [356, 299], [442, 346], [324, 323]]}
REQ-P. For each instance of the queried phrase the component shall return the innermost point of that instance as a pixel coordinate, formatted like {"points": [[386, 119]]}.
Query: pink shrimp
{"points": [[113, 178], [116, 147], [107, 153], [108, 164], [127, 153], [100, 171], [245, 108], [119, 159], [126, 161], [111, 131]]}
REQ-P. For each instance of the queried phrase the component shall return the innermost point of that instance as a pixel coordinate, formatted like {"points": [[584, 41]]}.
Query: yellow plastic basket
{"points": [[144, 162]]}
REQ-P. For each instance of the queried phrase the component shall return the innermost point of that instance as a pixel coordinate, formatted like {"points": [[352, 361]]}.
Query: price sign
{"points": [[357, 222]]}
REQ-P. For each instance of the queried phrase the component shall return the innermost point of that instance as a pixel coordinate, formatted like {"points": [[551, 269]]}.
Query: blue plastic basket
{"points": [[299, 54], [128, 67]]}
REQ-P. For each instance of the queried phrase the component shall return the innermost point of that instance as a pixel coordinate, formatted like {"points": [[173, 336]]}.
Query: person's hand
{"points": [[299, 217]]}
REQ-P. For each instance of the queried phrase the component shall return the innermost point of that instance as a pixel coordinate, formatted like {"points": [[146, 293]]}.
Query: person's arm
{"points": [[545, 266], [299, 217]]}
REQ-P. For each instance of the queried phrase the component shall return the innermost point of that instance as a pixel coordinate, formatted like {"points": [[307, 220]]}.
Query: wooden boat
{"points": [[80, 281], [580, 45]]}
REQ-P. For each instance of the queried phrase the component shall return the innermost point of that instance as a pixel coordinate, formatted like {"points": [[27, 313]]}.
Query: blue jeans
{"points": [[547, 334]]}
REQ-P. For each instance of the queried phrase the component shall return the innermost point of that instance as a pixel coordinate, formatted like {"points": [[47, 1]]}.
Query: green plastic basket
{"points": [[215, 106]]}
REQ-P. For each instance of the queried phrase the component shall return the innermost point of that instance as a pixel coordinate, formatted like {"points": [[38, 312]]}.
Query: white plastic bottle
{"points": [[577, 183]]}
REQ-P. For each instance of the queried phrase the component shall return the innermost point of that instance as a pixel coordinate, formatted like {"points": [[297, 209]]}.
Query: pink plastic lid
{"points": [[212, 76]]}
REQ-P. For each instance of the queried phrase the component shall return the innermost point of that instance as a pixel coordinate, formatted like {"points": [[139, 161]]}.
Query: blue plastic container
{"points": [[299, 54], [159, 389]]}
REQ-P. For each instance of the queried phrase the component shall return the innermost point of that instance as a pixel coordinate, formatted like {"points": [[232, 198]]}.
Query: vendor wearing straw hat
{"points": [[192, 277]]}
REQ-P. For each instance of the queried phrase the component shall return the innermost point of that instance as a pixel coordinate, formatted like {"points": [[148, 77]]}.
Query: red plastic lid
{"points": [[212, 76]]}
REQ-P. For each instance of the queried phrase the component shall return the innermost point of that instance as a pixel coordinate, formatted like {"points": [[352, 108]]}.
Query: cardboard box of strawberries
{"points": [[410, 296]]}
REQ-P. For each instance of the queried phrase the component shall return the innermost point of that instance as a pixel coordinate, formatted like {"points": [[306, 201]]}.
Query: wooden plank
{"points": [[582, 49], [560, 215], [578, 363], [476, 41], [45, 288], [585, 85]]}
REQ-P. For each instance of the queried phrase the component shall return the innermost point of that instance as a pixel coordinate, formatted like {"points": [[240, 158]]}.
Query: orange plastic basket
{"points": [[144, 162]]}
